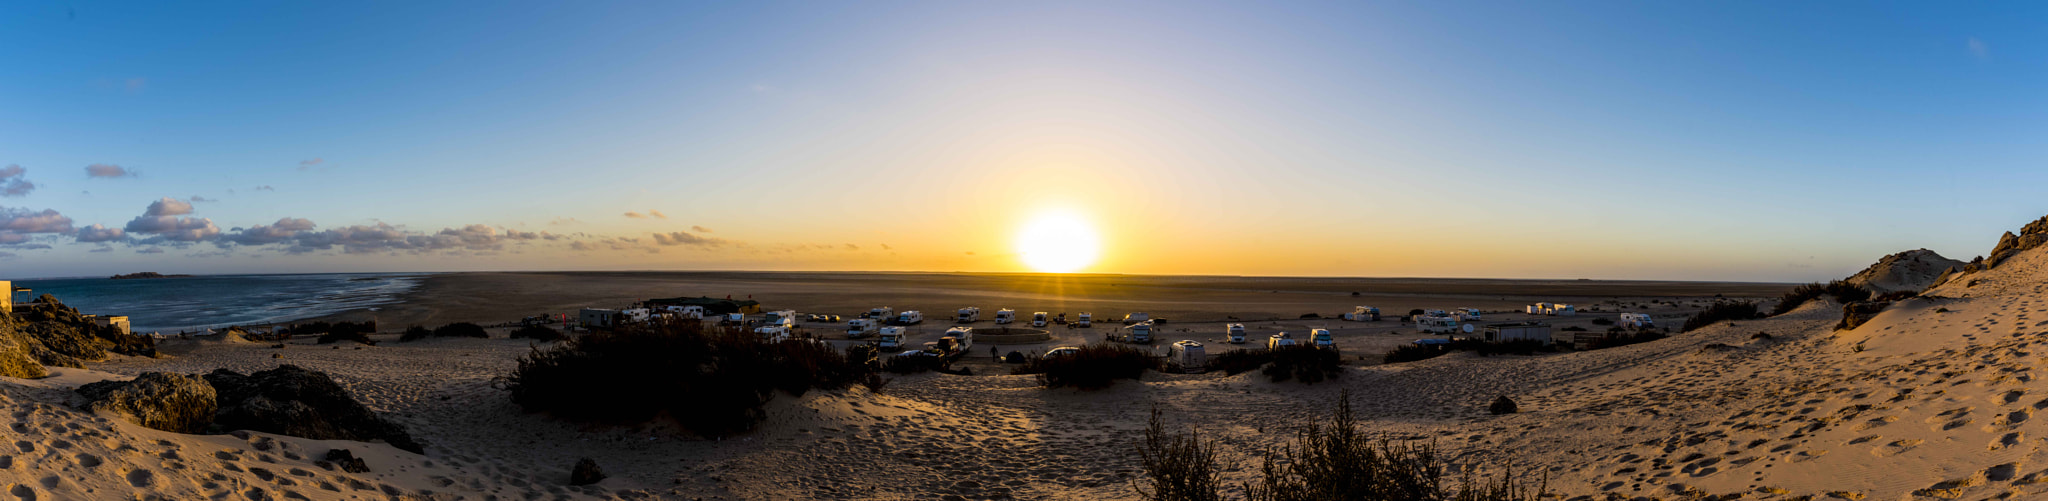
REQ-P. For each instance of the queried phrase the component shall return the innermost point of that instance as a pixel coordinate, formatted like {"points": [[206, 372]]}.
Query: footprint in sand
{"points": [[1896, 447]]}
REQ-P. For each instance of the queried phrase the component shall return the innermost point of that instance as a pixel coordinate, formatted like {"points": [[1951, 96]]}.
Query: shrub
{"points": [[1092, 367], [415, 333], [1626, 338], [1414, 352], [1842, 292], [1897, 295], [1236, 362], [1305, 364], [1339, 461], [1311, 316], [461, 329], [1602, 321], [1178, 466], [914, 364], [713, 381], [1573, 328], [540, 333], [1721, 310]]}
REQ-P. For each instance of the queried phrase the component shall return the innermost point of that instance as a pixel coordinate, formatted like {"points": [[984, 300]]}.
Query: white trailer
{"points": [[1637, 320], [912, 317], [1139, 333], [696, 312], [1524, 331], [968, 315], [891, 338], [1187, 356], [1440, 325], [1038, 319], [1363, 314], [860, 328], [963, 337], [1005, 315], [1085, 320], [635, 315]]}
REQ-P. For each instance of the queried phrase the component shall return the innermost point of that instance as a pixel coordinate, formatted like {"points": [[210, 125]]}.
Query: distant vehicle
{"points": [[734, 319], [1320, 338], [784, 318], [1467, 314], [1637, 320], [1187, 356], [891, 338], [636, 315], [1085, 320], [957, 340], [1363, 314], [912, 317], [1440, 325], [1278, 341], [1060, 318], [1038, 319], [1137, 318], [882, 313], [968, 315], [1005, 315], [1552, 309], [696, 312], [860, 328], [1138, 333], [1236, 332], [1061, 351]]}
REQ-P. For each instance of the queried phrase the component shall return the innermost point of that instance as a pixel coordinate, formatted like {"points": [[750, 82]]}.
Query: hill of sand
{"points": [[1911, 270]]}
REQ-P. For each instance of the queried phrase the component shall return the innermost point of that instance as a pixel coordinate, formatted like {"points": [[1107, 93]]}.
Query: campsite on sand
{"points": [[1923, 389]]}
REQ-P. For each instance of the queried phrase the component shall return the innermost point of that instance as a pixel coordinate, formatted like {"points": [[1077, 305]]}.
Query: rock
{"points": [[1912, 270], [58, 335], [585, 472], [1502, 405], [347, 461], [16, 361], [292, 401], [1855, 314], [180, 403]]}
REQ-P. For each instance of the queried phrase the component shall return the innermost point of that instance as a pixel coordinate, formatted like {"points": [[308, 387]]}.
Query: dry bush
{"points": [[1722, 310], [1092, 367], [1842, 292]]}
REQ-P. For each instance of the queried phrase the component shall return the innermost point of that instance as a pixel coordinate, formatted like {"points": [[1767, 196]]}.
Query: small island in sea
{"points": [[146, 274]]}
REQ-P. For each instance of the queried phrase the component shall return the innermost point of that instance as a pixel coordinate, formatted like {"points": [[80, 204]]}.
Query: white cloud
{"points": [[14, 181], [169, 207]]}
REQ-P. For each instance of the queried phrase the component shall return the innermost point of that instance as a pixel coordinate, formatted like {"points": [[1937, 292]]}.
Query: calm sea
{"points": [[189, 303]]}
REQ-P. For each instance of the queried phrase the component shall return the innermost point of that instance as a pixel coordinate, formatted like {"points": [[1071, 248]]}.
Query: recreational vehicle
{"points": [[635, 315], [1137, 318], [1038, 319], [968, 315], [912, 317], [963, 338], [1187, 356], [1553, 309], [1437, 324], [1278, 341], [1236, 332], [883, 313], [860, 328], [1363, 314], [596, 317], [782, 318], [891, 338], [692, 311], [1523, 331], [1085, 320], [1637, 320], [1138, 333], [1467, 314], [1005, 315], [1320, 338]]}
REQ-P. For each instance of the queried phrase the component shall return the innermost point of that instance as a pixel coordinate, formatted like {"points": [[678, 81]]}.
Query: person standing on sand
{"points": [[992, 350]]}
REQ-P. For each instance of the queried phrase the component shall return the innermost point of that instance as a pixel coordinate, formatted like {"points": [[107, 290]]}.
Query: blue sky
{"points": [[1715, 141]]}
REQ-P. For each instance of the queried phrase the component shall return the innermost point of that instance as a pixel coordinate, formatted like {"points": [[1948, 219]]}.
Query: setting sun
{"points": [[1058, 241]]}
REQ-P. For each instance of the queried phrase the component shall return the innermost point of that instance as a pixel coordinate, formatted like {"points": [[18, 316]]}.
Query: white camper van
{"points": [[963, 337], [1140, 333], [1637, 320], [968, 315], [1038, 319], [1187, 356], [1363, 314], [882, 314], [1085, 320], [912, 317], [890, 339], [693, 312], [1137, 318], [1278, 341], [1320, 338], [1005, 315], [1467, 314], [779, 318], [1438, 324], [860, 328], [1236, 332]]}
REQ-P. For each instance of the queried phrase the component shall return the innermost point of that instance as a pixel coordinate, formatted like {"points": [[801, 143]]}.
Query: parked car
{"points": [[1061, 351]]}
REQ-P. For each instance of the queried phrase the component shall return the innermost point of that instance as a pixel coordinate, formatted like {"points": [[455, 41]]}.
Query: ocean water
{"points": [[189, 303]]}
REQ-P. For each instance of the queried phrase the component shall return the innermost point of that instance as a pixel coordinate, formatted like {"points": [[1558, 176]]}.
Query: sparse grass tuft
{"points": [[1721, 310], [1094, 366], [1842, 292]]}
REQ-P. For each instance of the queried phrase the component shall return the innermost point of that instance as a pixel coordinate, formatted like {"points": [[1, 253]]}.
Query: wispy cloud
{"points": [[107, 171], [309, 164], [649, 214], [14, 181], [657, 214], [199, 198], [265, 188], [635, 215], [700, 229], [685, 238]]}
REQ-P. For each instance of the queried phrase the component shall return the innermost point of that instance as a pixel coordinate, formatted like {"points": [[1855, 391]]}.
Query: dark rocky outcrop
{"points": [[2032, 235], [16, 360], [1909, 271], [59, 336], [1503, 405], [1855, 314], [289, 400], [586, 472], [347, 461], [179, 403]]}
